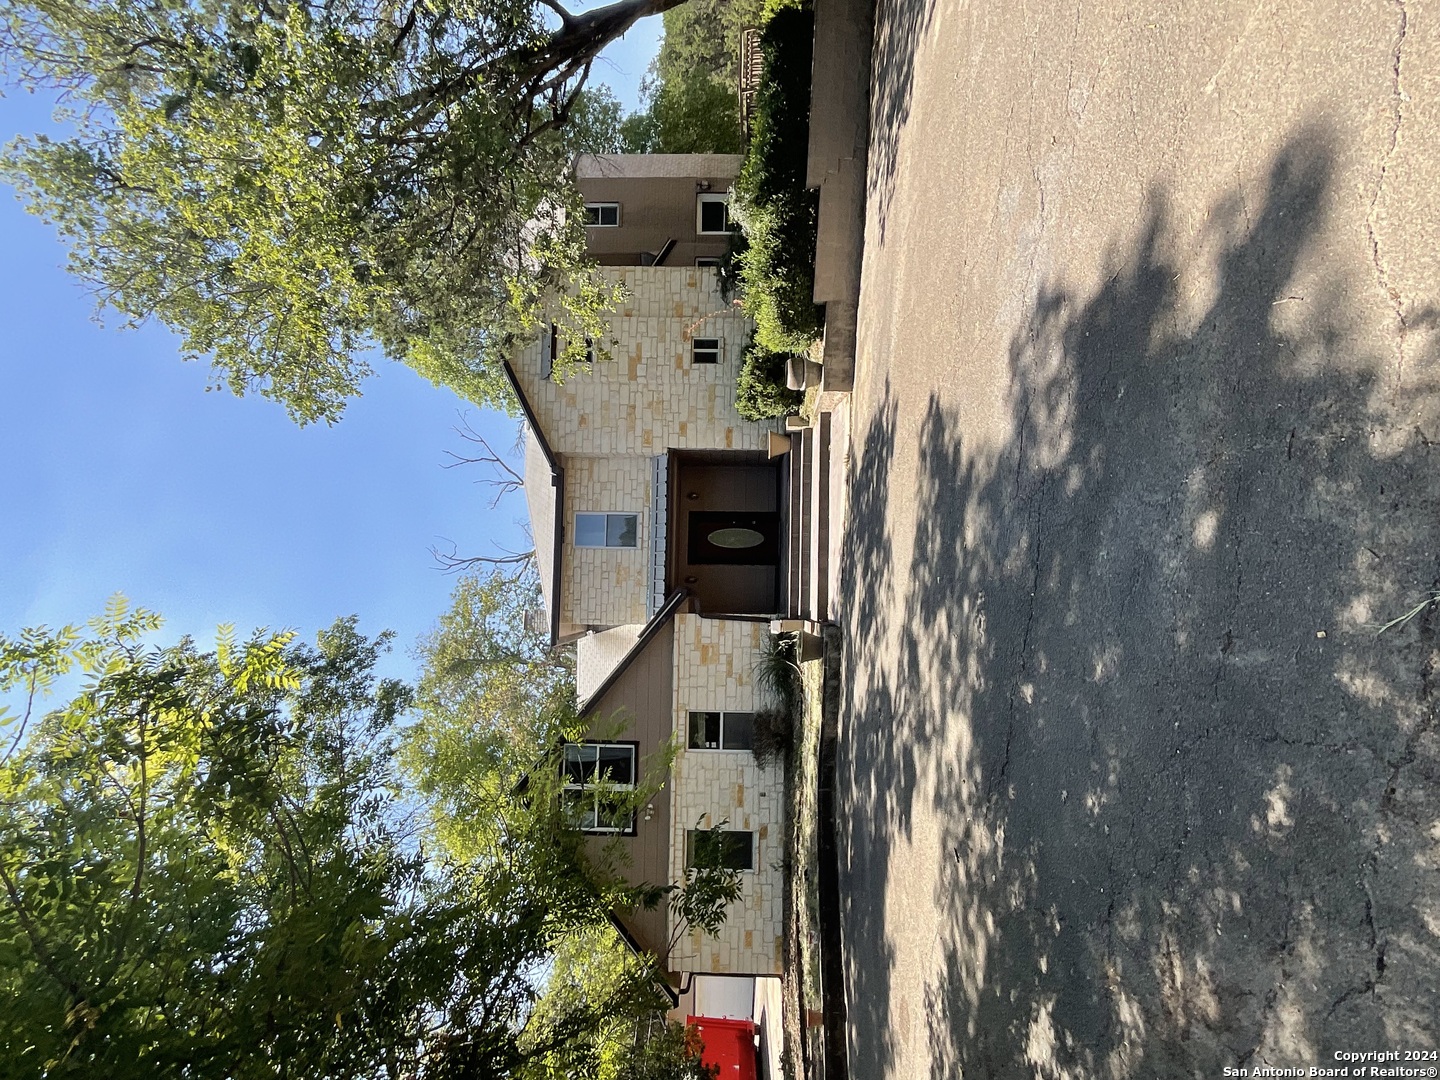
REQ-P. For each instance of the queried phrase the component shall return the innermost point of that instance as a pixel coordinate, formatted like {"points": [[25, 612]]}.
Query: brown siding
{"points": [[653, 210], [642, 700]]}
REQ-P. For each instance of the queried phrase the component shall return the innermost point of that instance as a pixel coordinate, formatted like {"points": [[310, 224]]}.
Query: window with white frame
{"points": [[721, 731], [712, 213], [599, 785], [733, 849], [602, 215], [607, 530], [705, 350]]}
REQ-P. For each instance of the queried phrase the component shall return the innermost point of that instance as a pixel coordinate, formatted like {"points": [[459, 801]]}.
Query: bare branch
{"points": [[452, 563], [505, 478]]}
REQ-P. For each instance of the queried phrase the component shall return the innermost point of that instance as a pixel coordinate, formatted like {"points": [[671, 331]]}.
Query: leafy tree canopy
{"points": [[209, 868], [691, 103], [287, 184]]}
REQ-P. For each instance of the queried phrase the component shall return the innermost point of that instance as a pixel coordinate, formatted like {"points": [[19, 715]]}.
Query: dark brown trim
{"points": [[653, 627], [557, 481]]}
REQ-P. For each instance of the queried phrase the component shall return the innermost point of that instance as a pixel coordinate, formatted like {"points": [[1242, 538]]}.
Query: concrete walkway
{"points": [[1146, 411]]}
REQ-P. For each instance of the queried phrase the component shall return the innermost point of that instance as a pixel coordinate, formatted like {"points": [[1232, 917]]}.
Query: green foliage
{"points": [[492, 698], [761, 389], [289, 186], [774, 735], [209, 869], [777, 672], [691, 92], [667, 1051], [710, 887], [779, 215]]}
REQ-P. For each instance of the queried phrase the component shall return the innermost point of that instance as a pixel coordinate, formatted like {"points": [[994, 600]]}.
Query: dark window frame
{"points": [[600, 788]]}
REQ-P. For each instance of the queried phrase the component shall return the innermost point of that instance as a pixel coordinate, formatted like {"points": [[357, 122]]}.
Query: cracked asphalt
{"points": [[1143, 455]]}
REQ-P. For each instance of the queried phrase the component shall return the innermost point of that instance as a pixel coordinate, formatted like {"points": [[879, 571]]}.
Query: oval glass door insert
{"points": [[736, 538]]}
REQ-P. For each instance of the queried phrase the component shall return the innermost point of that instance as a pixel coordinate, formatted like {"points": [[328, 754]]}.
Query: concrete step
{"points": [[794, 564], [817, 551]]}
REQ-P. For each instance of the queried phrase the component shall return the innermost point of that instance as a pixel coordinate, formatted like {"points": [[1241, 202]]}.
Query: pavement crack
{"points": [[1382, 272]]}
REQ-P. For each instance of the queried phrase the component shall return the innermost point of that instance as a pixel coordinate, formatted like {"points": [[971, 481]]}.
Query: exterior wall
{"points": [[605, 586], [639, 707], [714, 670], [653, 211], [648, 397]]}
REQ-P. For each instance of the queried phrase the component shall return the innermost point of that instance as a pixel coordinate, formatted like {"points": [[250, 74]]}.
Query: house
{"points": [[661, 531]]}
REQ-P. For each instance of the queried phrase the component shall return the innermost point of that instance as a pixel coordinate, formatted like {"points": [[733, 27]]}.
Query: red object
{"points": [[730, 1044]]}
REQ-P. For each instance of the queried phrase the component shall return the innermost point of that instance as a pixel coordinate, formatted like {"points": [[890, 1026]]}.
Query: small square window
{"points": [[602, 215], [734, 850], [705, 350], [712, 213], [607, 530]]}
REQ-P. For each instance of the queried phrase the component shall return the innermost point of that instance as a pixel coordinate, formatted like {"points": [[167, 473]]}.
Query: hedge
{"points": [[778, 213]]}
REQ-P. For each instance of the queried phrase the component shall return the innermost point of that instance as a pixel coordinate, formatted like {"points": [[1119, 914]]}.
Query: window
{"points": [[598, 780], [712, 213], [705, 350], [708, 260], [602, 215], [736, 850], [722, 731], [549, 350], [607, 530], [589, 351]]}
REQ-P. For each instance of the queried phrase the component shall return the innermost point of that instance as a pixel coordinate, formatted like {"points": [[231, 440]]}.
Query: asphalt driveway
{"points": [[1144, 452]]}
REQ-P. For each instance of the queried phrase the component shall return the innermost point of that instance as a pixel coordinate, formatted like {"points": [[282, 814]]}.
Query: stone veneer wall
{"points": [[649, 398], [605, 586], [715, 670]]}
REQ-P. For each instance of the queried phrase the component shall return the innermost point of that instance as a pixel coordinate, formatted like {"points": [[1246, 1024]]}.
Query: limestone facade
{"points": [[715, 671], [649, 396], [606, 586], [608, 422]]}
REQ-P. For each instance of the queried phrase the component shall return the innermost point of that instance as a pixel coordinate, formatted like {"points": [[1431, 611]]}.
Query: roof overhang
{"points": [[556, 540]]}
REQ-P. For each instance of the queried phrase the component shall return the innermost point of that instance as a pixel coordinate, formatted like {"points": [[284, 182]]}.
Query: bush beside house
{"points": [[761, 390], [777, 212]]}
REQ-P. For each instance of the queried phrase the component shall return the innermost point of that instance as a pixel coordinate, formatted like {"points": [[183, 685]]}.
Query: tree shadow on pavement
{"points": [[899, 26], [1130, 672]]}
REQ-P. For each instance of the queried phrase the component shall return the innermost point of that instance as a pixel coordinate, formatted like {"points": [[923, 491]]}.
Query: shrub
{"points": [[779, 214], [761, 391], [772, 736]]}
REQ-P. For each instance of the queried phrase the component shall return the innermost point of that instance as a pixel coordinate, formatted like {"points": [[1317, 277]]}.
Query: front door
{"points": [[734, 538]]}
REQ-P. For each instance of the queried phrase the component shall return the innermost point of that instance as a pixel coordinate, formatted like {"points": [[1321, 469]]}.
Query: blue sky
{"points": [[121, 474]]}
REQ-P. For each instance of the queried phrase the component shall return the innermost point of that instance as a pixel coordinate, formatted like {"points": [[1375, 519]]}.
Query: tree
{"points": [[288, 183], [210, 867], [691, 90]]}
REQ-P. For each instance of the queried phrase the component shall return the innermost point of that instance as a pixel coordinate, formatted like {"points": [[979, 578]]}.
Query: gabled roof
{"points": [[653, 627], [545, 495], [598, 654]]}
